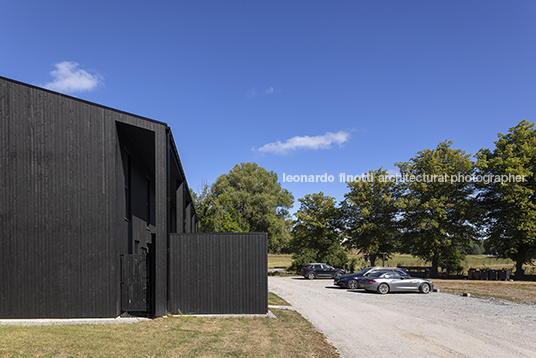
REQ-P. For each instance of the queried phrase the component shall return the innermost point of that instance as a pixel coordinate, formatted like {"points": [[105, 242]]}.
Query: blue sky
{"points": [[299, 87]]}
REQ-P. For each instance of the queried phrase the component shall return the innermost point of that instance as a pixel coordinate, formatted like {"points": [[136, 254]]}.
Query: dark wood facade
{"points": [[219, 273], [80, 185]]}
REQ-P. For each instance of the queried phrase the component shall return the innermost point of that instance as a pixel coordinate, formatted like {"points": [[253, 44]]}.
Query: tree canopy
{"points": [[316, 232], [370, 215], [507, 193], [247, 199], [436, 211], [216, 213]]}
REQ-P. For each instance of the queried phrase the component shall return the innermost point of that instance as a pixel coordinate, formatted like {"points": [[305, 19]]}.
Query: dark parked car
{"points": [[384, 282], [316, 270], [351, 280]]}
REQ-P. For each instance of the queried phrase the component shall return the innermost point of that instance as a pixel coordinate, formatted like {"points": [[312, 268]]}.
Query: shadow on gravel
{"points": [[336, 288], [316, 279], [389, 293], [362, 292]]}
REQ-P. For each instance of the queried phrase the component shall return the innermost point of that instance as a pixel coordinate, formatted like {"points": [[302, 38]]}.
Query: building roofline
{"points": [[174, 148], [82, 100]]}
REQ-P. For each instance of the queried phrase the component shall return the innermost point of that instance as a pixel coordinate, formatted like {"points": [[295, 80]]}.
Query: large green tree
{"points": [[370, 214], [316, 234], [247, 199], [507, 193], [216, 213], [436, 211]]}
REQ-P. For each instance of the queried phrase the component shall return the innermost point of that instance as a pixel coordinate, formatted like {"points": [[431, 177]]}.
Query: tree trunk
{"points": [[520, 274], [435, 264], [372, 259]]}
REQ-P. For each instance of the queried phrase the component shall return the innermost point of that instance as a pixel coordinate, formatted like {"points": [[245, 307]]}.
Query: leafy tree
{"points": [[316, 234], [215, 214], [476, 247], [352, 264], [231, 217], [370, 215], [436, 211], [250, 199], [510, 204], [209, 215]]}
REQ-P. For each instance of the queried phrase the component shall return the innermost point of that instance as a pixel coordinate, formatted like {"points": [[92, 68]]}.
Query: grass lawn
{"points": [[511, 291], [471, 261], [275, 300], [279, 260], [288, 336]]}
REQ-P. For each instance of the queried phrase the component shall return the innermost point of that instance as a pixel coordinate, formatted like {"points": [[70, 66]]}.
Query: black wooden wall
{"points": [[62, 204], [56, 167], [218, 273]]}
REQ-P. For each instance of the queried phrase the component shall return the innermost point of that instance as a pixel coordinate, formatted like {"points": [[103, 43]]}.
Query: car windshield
{"points": [[376, 273], [392, 275], [362, 271]]}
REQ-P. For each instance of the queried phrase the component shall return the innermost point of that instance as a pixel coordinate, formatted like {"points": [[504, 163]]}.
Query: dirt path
{"points": [[362, 324]]}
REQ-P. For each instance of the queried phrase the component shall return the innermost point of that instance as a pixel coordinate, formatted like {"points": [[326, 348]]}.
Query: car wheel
{"points": [[383, 288], [353, 284], [424, 288], [310, 275]]}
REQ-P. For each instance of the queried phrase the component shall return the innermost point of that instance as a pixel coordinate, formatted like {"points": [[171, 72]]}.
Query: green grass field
{"points": [[277, 261], [290, 335], [471, 261]]}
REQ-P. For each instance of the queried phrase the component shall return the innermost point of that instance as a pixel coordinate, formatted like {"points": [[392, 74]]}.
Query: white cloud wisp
{"points": [[317, 142], [69, 78]]}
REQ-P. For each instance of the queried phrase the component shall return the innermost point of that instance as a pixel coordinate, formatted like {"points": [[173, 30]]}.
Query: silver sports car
{"points": [[384, 282]]}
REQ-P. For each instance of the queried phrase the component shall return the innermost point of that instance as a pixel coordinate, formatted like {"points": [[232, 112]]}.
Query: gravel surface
{"points": [[364, 324]]}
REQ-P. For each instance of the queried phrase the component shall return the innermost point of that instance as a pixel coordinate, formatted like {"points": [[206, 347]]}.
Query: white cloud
{"points": [[69, 78], [318, 142], [253, 92], [270, 90]]}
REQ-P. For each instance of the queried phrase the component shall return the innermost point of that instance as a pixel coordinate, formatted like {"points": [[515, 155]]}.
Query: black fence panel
{"points": [[218, 273]]}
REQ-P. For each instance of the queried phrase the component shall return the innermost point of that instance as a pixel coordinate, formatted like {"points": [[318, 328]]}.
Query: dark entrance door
{"points": [[135, 291]]}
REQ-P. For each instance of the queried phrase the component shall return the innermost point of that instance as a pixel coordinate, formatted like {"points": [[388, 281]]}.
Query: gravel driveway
{"points": [[364, 324]]}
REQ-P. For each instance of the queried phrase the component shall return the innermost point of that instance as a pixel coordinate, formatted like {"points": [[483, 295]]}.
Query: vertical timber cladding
{"points": [[56, 205], [219, 273], [62, 203]]}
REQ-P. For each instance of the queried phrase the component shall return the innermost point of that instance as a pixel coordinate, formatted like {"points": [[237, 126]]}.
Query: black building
{"points": [[96, 217]]}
